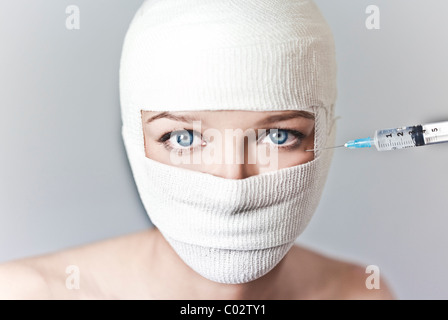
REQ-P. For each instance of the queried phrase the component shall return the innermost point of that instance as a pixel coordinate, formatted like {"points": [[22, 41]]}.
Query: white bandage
{"points": [[260, 55]]}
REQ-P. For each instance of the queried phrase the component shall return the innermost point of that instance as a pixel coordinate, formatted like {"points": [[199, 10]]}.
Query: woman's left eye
{"points": [[282, 137]]}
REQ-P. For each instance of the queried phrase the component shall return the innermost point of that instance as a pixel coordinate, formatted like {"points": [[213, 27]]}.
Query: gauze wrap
{"points": [[259, 55]]}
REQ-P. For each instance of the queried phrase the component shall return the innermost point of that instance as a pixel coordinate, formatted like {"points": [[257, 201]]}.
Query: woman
{"points": [[226, 106]]}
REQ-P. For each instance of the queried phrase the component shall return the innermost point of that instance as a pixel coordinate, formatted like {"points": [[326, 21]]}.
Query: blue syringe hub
{"points": [[360, 143]]}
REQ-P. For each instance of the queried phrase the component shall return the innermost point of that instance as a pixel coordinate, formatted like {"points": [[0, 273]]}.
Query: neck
{"points": [[178, 281]]}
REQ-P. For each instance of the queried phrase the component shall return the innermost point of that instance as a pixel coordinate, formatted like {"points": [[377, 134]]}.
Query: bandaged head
{"points": [[255, 55]]}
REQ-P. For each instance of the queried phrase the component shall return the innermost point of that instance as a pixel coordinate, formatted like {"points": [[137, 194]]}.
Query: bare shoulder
{"points": [[22, 280], [57, 275], [329, 278], [361, 283]]}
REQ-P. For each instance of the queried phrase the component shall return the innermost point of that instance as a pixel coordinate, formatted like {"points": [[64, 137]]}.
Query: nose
{"points": [[235, 162], [237, 171]]}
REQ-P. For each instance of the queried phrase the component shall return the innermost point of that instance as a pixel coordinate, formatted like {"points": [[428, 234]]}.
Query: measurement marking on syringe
{"points": [[396, 144], [434, 139], [395, 138]]}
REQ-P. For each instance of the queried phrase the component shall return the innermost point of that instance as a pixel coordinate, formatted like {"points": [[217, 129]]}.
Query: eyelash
{"points": [[164, 139]]}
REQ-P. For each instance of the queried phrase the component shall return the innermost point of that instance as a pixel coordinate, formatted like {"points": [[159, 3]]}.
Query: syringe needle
{"points": [[326, 148]]}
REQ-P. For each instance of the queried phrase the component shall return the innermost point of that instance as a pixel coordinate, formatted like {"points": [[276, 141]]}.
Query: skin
{"points": [[291, 152], [144, 266]]}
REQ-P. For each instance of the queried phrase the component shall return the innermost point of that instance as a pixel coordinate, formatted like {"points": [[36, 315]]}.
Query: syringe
{"points": [[404, 137]]}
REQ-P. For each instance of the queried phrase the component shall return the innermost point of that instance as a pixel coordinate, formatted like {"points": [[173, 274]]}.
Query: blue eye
{"points": [[278, 136], [182, 141], [285, 139], [184, 138]]}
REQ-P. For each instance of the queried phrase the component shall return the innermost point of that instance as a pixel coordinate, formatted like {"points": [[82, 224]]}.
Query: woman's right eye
{"points": [[182, 139]]}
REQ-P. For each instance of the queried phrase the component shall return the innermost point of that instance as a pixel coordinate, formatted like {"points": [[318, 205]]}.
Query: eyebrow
{"points": [[169, 115], [274, 118], [286, 116]]}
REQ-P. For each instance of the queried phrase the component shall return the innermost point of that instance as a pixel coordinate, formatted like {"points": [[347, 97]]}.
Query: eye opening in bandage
{"points": [[268, 139]]}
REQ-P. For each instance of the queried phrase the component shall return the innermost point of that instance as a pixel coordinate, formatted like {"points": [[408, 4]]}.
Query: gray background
{"points": [[64, 175]]}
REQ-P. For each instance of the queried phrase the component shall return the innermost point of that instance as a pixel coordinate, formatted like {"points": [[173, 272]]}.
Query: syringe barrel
{"points": [[436, 132], [412, 136]]}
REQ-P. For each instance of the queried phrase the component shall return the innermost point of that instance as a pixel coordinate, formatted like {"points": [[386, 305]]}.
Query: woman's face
{"points": [[229, 144]]}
